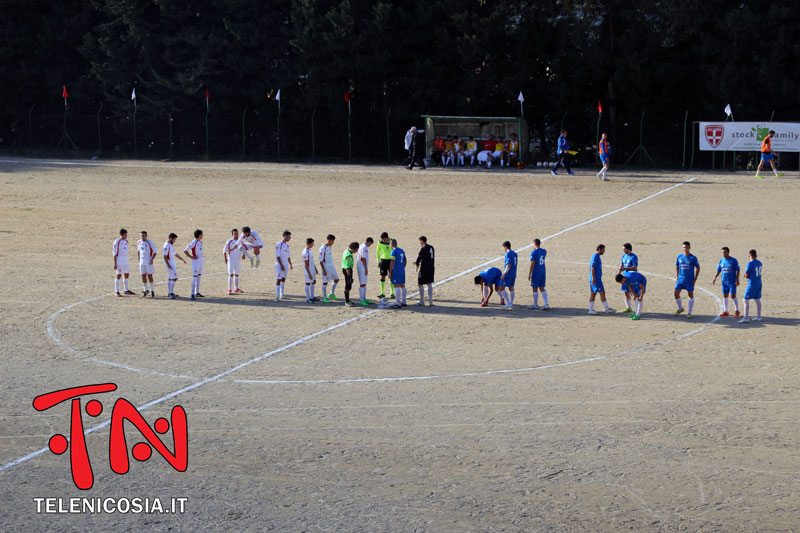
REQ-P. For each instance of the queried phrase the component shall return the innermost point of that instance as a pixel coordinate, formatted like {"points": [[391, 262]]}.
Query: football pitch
{"points": [[454, 417]]}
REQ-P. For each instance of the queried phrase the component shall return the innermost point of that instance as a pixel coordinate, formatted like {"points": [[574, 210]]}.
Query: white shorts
{"points": [[362, 275], [312, 278], [172, 272], [279, 274], [512, 154], [197, 268], [484, 156], [146, 269], [234, 265], [332, 274], [123, 268], [498, 153], [469, 152]]}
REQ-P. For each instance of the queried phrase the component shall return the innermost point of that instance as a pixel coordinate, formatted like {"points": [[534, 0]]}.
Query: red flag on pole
{"points": [[599, 106], [64, 93], [347, 96], [207, 95]]}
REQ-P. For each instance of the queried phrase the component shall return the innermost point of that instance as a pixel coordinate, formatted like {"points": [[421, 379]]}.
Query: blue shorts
{"points": [[604, 160], [687, 286], [597, 288], [729, 289], [637, 289], [399, 279], [767, 156], [538, 280], [507, 282], [752, 293], [624, 287]]}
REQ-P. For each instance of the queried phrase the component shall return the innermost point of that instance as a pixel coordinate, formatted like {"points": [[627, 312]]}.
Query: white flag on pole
{"points": [[133, 94], [728, 110], [520, 97], [278, 95]]}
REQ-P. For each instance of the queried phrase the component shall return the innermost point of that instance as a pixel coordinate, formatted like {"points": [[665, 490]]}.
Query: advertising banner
{"points": [[747, 136]]}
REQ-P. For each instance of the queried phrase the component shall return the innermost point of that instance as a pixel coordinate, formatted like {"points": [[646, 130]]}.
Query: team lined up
{"points": [[390, 257]]}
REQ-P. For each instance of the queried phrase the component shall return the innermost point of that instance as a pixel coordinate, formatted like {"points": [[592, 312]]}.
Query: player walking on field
{"points": [[253, 241], [687, 268], [362, 267], [596, 281], [752, 274], [194, 250], [348, 262], [604, 149], [767, 155], [397, 267], [537, 275], [328, 269], [729, 268], [425, 270], [121, 266], [283, 264], [169, 258], [232, 254], [509, 276], [383, 256], [628, 263], [635, 284], [310, 271], [146, 251]]}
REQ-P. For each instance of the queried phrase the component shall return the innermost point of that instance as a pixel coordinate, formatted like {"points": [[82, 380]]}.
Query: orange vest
{"points": [[766, 145]]}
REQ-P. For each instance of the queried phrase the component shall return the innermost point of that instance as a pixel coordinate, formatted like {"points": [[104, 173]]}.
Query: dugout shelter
{"points": [[478, 127]]}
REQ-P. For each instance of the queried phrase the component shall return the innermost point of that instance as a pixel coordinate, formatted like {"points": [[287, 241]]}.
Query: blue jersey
{"points": [[537, 258], [597, 263], [629, 261], [511, 262], [491, 275], [634, 280], [753, 271], [399, 257], [686, 265], [563, 144], [729, 269]]}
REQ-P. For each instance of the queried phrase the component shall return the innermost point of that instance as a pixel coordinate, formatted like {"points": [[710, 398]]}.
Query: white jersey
{"points": [[363, 253], [121, 251], [325, 255], [308, 255], [234, 245], [169, 253], [147, 249], [195, 248], [282, 253], [253, 240]]}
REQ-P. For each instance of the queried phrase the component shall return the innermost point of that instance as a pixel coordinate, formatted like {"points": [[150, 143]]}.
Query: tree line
{"points": [[397, 60]]}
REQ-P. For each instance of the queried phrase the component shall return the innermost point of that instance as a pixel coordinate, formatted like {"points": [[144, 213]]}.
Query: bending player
{"points": [[635, 284], [752, 274], [729, 268], [328, 269], [397, 266], [146, 251], [172, 270], [489, 280], [283, 264], [253, 241], [537, 275], [232, 254], [687, 268], [121, 266], [194, 250], [509, 276], [596, 281], [310, 271]]}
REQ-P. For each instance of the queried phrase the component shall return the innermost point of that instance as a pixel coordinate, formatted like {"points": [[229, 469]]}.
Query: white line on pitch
{"points": [[365, 315]]}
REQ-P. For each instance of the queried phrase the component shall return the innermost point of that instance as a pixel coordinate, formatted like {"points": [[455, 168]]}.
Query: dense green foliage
{"points": [[400, 59]]}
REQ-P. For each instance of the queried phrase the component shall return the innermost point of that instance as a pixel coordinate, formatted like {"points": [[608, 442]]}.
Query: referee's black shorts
{"points": [[384, 266]]}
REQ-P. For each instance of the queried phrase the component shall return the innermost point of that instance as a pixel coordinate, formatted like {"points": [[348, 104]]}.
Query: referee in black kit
{"points": [[425, 270]]}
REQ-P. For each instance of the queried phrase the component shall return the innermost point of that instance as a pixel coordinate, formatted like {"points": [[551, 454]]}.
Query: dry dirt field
{"points": [[447, 418]]}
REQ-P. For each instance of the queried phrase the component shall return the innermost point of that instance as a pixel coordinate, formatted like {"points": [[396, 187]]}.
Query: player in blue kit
{"points": [[489, 280], [752, 273], [687, 268], [537, 275], [596, 281], [397, 269], [628, 263], [509, 276], [636, 285], [729, 268]]}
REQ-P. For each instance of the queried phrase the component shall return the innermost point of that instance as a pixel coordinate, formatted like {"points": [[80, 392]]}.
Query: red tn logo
{"points": [[714, 135]]}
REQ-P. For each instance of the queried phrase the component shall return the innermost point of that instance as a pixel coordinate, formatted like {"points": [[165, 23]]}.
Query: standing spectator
{"points": [[414, 153], [563, 154]]}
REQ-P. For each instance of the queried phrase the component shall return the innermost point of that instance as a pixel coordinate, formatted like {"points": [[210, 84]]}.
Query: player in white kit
{"points": [[146, 250], [121, 267], [253, 242], [169, 258], [328, 269], [232, 254], [283, 264], [194, 250], [362, 267], [310, 271]]}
